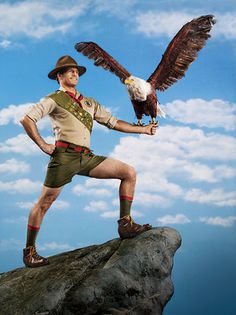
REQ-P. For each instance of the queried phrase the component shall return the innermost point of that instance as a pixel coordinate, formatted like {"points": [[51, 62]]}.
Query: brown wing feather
{"points": [[181, 52], [102, 59]]}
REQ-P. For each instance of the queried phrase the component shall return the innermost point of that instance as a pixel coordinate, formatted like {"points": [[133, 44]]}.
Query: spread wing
{"points": [[181, 52], [102, 59]]}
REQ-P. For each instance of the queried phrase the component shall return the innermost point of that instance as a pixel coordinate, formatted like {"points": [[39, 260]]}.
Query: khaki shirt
{"points": [[67, 127]]}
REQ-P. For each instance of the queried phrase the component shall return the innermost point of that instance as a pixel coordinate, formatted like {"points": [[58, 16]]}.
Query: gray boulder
{"points": [[131, 276]]}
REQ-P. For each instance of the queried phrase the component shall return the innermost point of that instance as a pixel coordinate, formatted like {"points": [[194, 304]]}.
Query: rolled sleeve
{"points": [[41, 109], [104, 117]]}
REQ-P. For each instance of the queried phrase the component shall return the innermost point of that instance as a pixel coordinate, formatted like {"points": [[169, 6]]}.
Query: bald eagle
{"points": [[179, 54]]}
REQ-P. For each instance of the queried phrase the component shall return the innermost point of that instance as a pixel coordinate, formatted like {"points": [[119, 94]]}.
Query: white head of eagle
{"points": [[138, 89]]}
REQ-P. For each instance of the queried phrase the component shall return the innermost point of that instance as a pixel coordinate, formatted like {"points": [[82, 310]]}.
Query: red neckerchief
{"points": [[72, 95]]}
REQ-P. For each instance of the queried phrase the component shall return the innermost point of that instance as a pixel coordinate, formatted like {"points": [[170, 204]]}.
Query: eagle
{"points": [[179, 54]]}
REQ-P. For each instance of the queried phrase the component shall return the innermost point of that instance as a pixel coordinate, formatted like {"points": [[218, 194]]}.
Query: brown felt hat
{"points": [[63, 63]]}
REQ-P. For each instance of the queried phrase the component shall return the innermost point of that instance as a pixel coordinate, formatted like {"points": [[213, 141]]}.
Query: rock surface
{"points": [[116, 278]]}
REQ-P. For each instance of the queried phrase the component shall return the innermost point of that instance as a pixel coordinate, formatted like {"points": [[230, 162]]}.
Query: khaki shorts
{"points": [[65, 163]]}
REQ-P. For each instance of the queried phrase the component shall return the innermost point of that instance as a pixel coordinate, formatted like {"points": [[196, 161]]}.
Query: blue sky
{"points": [[186, 172]]}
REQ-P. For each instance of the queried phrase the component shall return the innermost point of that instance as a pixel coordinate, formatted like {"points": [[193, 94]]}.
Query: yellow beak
{"points": [[128, 81]]}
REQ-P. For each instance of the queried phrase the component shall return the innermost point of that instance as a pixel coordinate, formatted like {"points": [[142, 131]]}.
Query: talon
{"points": [[139, 123], [154, 122]]}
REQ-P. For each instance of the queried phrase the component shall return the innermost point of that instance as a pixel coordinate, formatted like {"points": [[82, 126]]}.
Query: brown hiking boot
{"points": [[128, 228], [32, 259]]}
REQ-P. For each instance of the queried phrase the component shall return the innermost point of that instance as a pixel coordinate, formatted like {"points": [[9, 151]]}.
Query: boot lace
{"points": [[33, 253]]}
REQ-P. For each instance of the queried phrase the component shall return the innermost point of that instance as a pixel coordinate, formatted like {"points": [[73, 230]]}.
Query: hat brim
{"points": [[53, 74]]}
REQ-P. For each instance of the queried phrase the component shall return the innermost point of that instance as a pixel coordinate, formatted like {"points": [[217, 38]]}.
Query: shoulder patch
{"points": [[88, 102]]}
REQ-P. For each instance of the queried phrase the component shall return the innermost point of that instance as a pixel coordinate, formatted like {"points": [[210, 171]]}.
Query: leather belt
{"points": [[75, 147]]}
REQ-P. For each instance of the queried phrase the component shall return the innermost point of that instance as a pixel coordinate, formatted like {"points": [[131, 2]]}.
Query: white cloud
{"points": [[199, 172], [169, 23], [96, 205], [38, 18], [226, 25], [146, 199], [146, 189], [44, 123], [22, 144], [178, 157], [54, 246], [60, 205], [162, 23], [12, 243], [224, 172], [173, 219], [171, 146], [212, 146], [5, 44], [80, 190], [219, 221], [116, 214], [217, 197], [156, 182], [14, 166], [110, 214], [95, 182], [212, 114], [13, 114], [57, 205], [22, 186], [25, 204], [179, 152], [202, 172], [149, 200]]}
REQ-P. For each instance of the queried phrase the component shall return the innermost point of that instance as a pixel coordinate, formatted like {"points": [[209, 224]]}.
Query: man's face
{"points": [[70, 77]]}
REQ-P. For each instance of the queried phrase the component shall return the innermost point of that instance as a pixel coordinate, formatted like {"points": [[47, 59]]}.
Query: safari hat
{"points": [[65, 62]]}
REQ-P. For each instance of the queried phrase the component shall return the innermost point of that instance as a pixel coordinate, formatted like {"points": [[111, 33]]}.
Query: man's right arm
{"points": [[32, 131]]}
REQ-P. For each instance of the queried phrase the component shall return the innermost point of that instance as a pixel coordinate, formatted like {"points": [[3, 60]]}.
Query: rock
{"points": [[131, 276]]}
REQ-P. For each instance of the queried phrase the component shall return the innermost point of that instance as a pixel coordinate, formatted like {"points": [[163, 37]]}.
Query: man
{"points": [[72, 117]]}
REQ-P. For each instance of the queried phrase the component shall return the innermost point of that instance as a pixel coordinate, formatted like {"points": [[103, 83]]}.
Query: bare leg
{"points": [[46, 199], [30, 256], [111, 168]]}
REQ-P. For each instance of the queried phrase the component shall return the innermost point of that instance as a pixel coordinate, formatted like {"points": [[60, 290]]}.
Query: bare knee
{"points": [[130, 173], [46, 201]]}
